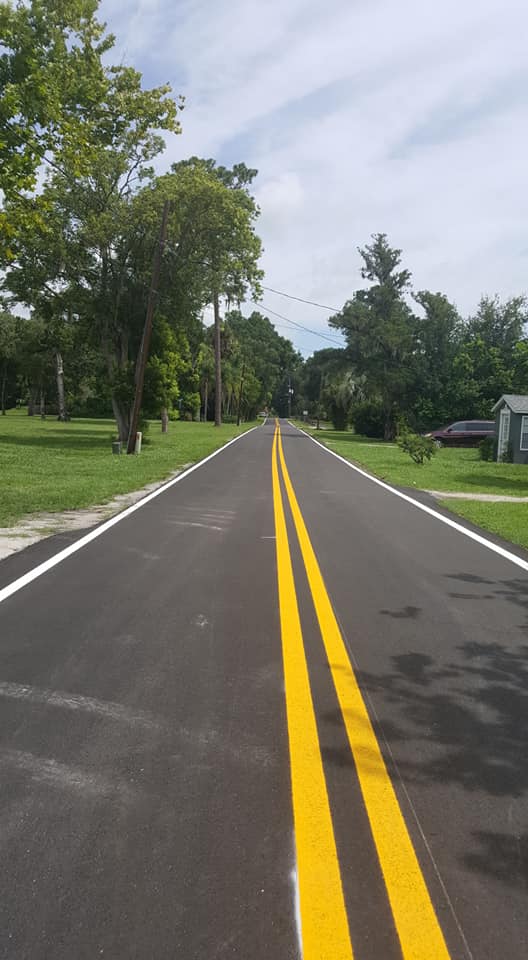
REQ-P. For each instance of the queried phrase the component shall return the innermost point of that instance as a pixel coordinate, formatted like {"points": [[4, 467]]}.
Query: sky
{"points": [[361, 116]]}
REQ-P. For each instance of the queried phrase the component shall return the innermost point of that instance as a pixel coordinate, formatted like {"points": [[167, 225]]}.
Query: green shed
{"points": [[511, 420]]}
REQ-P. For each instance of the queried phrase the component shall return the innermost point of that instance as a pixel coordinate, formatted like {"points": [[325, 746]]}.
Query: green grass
{"points": [[507, 520], [51, 466], [458, 470], [452, 470]]}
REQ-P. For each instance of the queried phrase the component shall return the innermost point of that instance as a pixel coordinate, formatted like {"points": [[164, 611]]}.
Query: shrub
{"points": [[338, 417], [488, 448], [419, 448], [368, 419]]}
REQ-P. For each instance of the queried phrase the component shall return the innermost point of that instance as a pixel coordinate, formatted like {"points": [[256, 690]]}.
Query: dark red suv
{"points": [[463, 433]]}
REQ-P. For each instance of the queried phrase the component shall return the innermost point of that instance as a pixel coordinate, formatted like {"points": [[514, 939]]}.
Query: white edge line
{"points": [[494, 547], [37, 571], [297, 908]]}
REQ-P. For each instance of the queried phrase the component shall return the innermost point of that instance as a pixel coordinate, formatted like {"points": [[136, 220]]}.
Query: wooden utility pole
{"points": [[240, 392], [147, 330], [218, 362]]}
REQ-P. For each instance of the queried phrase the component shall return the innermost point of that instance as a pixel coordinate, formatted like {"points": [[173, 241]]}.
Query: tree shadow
{"points": [[517, 484], [501, 855], [473, 710], [406, 613], [55, 440], [346, 437], [512, 590]]}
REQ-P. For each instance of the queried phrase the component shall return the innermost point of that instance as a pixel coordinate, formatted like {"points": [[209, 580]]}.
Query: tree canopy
{"points": [[82, 189]]}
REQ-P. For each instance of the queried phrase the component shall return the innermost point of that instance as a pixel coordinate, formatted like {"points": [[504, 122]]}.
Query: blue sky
{"points": [[361, 116]]}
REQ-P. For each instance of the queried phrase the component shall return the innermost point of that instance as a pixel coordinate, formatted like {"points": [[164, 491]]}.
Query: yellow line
{"points": [[416, 922], [324, 923]]}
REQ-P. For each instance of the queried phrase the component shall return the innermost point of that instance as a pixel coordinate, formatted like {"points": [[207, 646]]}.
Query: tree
{"points": [[380, 330], [8, 345], [36, 361], [482, 376], [88, 252], [317, 371], [168, 363], [267, 358], [439, 334], [206, 367], [221, 214], [520, 367], [499, 324], [489, 358], [338, 394], [50, 75]]}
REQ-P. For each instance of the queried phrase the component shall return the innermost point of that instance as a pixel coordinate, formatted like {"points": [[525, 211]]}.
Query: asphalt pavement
{"points": [[275, 712]]}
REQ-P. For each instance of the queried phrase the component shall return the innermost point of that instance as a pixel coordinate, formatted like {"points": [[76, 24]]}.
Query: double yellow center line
{"points": [[324, 921]]}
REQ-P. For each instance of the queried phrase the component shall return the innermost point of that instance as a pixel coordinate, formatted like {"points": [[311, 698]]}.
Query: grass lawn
{"points": [[450, 469], [507, 520], [51, 466]]}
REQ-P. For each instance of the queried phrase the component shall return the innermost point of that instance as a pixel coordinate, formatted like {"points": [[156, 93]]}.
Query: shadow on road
{"points": [[467, 716]]}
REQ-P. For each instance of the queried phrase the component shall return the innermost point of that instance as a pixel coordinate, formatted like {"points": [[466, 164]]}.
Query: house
{"points": [[511, 420]]}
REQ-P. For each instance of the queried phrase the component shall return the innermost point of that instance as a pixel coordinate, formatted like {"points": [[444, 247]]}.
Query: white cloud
{"points": [[408, 118]]}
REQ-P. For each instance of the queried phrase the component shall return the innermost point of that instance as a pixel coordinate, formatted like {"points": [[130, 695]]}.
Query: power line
{"points": [[312, 303], [315, 333]]}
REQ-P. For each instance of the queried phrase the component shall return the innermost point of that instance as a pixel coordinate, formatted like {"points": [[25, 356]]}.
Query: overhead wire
{"points": [[312, 303], [315, 333]]}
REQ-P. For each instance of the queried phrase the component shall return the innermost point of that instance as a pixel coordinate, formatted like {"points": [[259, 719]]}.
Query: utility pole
{"points": [[290, 391], [218, 362], [147, 330], [240, 392]]}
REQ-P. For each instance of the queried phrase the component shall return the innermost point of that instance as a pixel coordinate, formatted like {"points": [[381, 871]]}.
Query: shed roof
{"points": [[517, 402]]}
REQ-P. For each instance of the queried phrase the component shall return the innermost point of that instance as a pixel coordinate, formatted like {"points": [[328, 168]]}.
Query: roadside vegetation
{"points": [[506, 520], [410, 356], [82, 191], [451, 471], [49, 466]]}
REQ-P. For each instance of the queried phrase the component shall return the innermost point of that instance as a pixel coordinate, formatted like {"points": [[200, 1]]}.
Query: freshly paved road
{"points": [[204, 720]]}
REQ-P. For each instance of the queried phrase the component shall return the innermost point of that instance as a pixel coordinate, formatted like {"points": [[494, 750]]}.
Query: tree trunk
{"points": [[206, 398], [239, 405], [4, 381], [389, 431], [42, 404], [164, 420], [122, 419], [63, 414], [218, 363], [32, 402]]}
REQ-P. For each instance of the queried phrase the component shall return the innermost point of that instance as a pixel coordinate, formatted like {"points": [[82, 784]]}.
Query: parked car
{"points": [[463, 433]]}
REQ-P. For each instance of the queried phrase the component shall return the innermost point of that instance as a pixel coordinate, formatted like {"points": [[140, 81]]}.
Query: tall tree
{"points": [[499, 324], [439, 332], [220, 218], [380, 330], [51, 74], [338, 393], [88, 250], [267, 357], [8, 346]]}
